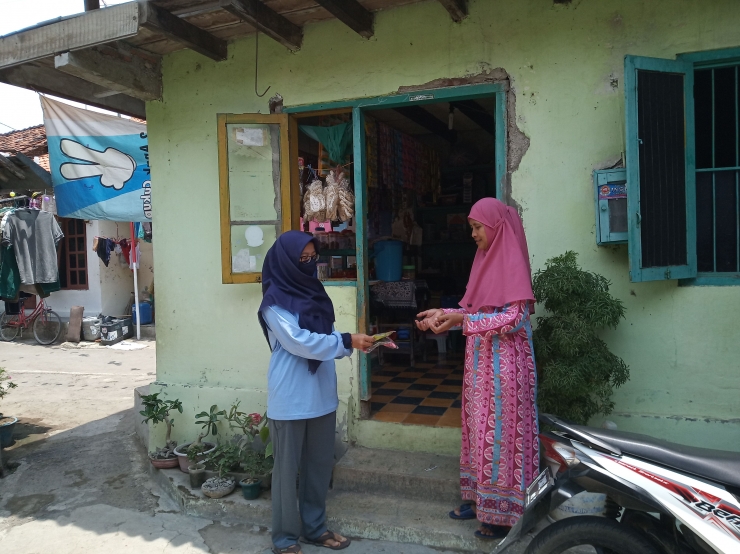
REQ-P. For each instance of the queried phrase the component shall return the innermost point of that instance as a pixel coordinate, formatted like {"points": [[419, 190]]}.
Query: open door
{"points": [[254, 158]]}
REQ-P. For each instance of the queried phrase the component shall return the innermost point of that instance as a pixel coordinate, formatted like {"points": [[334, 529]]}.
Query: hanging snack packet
{"points": [[383, 339]]}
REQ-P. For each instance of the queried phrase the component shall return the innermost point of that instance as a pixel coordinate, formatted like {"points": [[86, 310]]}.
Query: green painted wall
{"points": [[566, 66]]}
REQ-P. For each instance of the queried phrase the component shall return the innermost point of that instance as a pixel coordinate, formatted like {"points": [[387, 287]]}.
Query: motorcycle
{"points": [[662, 497]]}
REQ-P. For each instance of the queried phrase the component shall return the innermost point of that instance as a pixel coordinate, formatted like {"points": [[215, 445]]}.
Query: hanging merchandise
{"points": [[314, 202], [331, 196], [346, 200], [340, 202]]}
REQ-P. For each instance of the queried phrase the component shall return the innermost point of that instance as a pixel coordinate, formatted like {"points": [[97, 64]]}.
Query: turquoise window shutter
{"points": [[660, 160]]}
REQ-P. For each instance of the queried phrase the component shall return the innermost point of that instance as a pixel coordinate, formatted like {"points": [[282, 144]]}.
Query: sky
{"points": [[20, 108]]}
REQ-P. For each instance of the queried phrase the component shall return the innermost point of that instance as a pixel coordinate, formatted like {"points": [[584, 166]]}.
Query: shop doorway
{"points": [[418, 162], [425, 166]]}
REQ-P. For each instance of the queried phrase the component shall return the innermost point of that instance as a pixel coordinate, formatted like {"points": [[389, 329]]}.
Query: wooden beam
{"points": [[477, 114], [10, 166], [87, 29], [458, 9], [420, 116], [50, 81], [159, 20], [267, 21], [131, 75], [352, 14]]}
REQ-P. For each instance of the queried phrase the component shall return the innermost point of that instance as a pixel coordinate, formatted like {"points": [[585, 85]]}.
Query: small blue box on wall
{"points": [[610, 188]]}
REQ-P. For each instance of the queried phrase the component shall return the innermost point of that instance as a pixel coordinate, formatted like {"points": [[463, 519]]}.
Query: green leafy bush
{"points": [[577, 372]]}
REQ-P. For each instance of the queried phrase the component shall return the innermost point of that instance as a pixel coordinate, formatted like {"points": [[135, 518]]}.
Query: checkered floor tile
{"points": [[426, 394]]}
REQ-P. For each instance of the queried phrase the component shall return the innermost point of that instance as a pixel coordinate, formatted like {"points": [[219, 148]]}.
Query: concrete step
{"points": [[352, 513], [411, 475]]}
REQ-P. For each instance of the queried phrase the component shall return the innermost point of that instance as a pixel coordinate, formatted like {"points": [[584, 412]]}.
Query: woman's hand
{"points": [[428, 319], [445, 322], [362, 342]]}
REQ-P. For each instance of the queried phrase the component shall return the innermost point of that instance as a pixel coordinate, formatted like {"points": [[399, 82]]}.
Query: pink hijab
{"points": [[502, 273]]}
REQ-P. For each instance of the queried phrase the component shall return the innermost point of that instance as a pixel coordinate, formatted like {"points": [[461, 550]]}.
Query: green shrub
{"points": [[577, 372]]}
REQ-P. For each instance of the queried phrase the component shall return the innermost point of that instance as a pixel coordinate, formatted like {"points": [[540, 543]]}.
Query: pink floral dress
{"points": [[500, 445]]}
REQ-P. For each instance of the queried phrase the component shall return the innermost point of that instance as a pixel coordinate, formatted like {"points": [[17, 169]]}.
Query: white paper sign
{"points": [[250, 136]]}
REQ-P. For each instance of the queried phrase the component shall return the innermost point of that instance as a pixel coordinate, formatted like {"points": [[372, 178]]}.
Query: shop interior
{"points": [[425, 166]]}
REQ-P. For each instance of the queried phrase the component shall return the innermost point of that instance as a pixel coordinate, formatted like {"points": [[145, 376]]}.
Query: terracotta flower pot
{"points": [[167, 463], [182, 454]]}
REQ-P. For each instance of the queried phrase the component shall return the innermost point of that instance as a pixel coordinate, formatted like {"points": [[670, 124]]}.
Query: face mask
{"points": [[309, 268]]}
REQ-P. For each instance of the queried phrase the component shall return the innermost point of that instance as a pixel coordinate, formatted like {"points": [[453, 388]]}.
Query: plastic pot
{"points": [[251, 490], [6, 432], [197, 475], [182, 454]]}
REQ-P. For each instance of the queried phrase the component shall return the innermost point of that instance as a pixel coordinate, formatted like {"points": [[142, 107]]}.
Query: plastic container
{"points": [[90, 328], [388, 260], [409, 272], [146, 313], [111, 332]]}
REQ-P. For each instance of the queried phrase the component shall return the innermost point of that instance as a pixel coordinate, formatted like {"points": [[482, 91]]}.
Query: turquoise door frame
{"points": [[359, 107]]}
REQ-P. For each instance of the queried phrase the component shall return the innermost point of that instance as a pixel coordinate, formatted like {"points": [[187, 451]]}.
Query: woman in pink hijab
{"points": [[500, 447]]}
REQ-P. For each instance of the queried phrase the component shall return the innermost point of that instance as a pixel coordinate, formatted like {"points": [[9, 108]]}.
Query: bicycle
{"points": [[46, 324]]}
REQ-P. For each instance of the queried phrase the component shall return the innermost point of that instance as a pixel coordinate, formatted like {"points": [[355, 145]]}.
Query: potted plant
{"points": [[258, 468], [6, 423], [224, 458], [158, 410], [256, 459], [577, 372], [197, 450]]}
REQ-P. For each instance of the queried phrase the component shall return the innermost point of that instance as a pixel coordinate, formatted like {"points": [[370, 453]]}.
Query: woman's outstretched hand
{"points": [[428, 319], [445, 322], [362, 342]]}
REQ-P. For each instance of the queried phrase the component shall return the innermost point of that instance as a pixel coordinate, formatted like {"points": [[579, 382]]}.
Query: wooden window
{"points": [[256, 163], [73, 255], [660, 168], [683, 164]]}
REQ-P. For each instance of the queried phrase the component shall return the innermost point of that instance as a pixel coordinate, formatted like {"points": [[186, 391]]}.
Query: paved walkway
{"points": [[81, 484]]}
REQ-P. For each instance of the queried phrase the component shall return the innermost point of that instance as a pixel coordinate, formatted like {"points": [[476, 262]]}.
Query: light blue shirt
{"points": [[293, 392]]}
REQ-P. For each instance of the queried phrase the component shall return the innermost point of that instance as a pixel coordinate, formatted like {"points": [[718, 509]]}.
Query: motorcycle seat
{"points": [[716, 465]]}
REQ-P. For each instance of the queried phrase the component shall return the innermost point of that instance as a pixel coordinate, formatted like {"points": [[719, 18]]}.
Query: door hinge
{"points": [[638, 217], [667, 273]]}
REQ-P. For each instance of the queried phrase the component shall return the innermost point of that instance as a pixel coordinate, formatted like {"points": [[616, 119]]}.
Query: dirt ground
{"points": [[80, 483]]}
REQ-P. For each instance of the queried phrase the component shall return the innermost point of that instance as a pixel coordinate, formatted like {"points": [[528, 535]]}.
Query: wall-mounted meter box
{"points": [[611, 206]]}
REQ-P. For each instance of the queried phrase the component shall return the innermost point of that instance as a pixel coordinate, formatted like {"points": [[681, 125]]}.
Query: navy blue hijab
{"points": [[292, 285]]}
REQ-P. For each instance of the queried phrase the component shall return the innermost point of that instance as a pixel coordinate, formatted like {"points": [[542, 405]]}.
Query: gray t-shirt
{"points": [[34, 235]]}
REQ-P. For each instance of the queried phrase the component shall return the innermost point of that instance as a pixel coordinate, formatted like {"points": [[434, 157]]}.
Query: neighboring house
{"points": [[548, 77], [85, 280]]}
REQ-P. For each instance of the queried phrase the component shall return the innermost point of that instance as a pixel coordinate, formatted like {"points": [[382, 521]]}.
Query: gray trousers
{"points": [[305, 445]]}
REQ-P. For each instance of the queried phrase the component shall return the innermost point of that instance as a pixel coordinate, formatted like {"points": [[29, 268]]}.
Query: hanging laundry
{"points": [[34, 235], [103, 249]]}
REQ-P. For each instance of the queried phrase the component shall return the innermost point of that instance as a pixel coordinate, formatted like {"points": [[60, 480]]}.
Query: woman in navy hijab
{"points": [[297, 317]]}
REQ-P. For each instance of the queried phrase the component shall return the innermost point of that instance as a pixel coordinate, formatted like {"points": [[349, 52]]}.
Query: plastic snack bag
{"points": [[383, 339]]}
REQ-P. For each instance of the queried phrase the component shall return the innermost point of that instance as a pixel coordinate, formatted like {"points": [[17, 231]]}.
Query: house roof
{"points": [[30, 141], [111, 57]]}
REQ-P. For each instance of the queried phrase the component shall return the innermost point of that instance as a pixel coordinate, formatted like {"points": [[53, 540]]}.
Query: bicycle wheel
{"points": [[47, 327], [7, 332]]}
